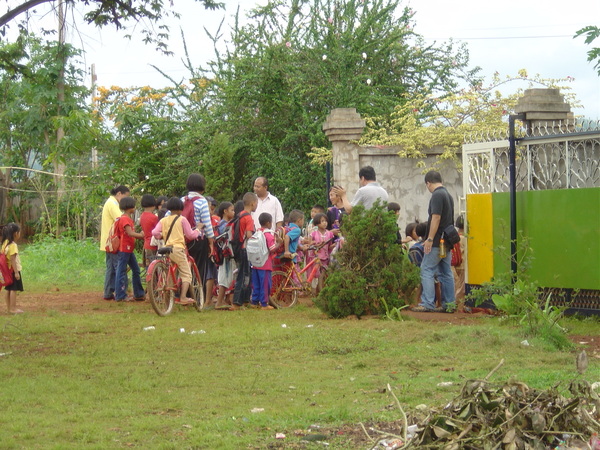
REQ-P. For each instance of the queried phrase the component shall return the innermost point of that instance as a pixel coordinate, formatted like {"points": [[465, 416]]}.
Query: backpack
{"points": [[6, 275], [222, 250], [257, 249], [188, 209], [113, 241], [233, 236], [456, 255], [416, 254]]}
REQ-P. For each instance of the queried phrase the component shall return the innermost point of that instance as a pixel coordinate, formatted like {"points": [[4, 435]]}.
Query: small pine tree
{"points": [[370, 267], [218, 168]]}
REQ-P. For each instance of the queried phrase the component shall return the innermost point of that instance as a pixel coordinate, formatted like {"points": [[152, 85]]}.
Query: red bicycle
{"points": [[288, 282], [164, 283]]}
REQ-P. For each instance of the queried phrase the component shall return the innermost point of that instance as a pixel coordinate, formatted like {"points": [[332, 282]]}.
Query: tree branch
{"points": [[20, 9]]}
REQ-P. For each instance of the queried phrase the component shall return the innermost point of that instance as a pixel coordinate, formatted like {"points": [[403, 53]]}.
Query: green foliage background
{"points": [[256, 109]]}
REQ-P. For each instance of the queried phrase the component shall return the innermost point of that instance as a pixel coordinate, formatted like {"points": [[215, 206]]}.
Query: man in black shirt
{"points": [[441, 214]]}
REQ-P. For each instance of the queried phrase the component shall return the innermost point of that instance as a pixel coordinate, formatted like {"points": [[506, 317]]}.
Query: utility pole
{"points": [[94, 80]]}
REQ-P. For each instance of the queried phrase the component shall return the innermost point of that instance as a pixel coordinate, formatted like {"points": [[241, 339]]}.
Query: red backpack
{"points": [[113, 241], [456, 255], [6, 275], [188, 209]]}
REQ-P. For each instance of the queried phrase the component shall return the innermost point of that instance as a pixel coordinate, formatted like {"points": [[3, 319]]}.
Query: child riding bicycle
{"points": [[175, 229]]}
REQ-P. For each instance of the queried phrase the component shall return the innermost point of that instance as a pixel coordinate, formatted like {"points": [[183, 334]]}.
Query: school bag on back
{"points": [[6, 277], [415, 255], [188, 210], [257, 249], [233, 233], [113, 241], [222, 250]]}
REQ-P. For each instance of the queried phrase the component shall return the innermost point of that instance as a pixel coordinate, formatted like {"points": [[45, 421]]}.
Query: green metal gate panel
{"points": [[563, 228]]}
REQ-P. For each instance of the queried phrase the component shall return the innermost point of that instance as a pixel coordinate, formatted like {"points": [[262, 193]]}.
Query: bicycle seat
{"points": [[165, 250]]}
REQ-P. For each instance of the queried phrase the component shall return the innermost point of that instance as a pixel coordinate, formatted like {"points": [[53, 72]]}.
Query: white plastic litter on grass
{"points": [[152, 327], [525, 343], [283, 325], [279, 436], [445, 384], [309, 326], [257, 410], [198, 332], [182, 330]]}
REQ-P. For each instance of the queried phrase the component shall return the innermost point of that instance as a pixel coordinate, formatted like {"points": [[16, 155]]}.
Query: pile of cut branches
{"points": [[509, 416]]}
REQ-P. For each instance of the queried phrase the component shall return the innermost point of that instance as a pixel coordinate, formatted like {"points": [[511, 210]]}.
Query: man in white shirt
{"points": [[370, 190], [268, 203]]}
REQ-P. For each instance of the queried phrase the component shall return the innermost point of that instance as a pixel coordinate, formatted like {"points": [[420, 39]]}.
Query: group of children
{"points": [[288, 243]]}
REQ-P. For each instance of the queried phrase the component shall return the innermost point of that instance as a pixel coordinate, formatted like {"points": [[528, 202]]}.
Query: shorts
{"points": [[17, 285], [179, 257], [226, 273]]}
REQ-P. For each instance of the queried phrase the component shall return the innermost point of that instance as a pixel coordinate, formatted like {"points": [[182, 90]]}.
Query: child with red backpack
{"points": [[10, 233], [458, 266], [126, 256], [197, 212]]}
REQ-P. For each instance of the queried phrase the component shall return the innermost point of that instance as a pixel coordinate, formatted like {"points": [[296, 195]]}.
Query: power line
{"points": [[500, 37]]}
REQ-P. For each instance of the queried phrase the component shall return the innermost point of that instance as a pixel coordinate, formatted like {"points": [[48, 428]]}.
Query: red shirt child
{"points": [[148, 221], [127, 241]]}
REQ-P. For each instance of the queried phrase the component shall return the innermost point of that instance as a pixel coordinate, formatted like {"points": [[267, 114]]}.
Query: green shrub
{"points": [[371, 273]]}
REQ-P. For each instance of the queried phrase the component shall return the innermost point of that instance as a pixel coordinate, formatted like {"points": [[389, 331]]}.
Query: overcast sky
{"points": [[502, 36]]}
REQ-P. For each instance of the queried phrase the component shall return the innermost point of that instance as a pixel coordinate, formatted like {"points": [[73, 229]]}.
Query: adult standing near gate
{"points": [[201, 248], [441, 215], [110, 213], [268, 203], [368, 193]]}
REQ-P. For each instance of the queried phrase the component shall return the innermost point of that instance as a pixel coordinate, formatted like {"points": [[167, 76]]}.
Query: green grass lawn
{"points": [[95, 379], [99, 380]]}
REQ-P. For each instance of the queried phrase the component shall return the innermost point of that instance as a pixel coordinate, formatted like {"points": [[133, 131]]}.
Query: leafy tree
{"points": [[103, 13], [371, 273], [426, 121], [295, 60], [592, 33], [30, 114]]}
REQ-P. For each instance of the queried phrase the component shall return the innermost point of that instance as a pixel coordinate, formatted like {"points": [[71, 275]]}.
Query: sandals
{"points": [[421, 309], [186, 301]]}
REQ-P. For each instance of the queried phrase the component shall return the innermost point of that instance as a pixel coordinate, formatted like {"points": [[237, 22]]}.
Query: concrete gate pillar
{"points": [[342, 126], [546, 112]]}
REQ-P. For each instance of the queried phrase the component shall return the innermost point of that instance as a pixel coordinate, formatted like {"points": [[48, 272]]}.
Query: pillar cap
{"points": [[343, 124]]}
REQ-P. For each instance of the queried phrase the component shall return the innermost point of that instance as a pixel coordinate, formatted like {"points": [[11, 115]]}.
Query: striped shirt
{"points": [[201, 213]]}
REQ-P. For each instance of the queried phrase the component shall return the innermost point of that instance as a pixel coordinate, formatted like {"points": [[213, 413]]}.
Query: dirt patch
{"points": [[456, 318], [70, 302], [591, 344]]}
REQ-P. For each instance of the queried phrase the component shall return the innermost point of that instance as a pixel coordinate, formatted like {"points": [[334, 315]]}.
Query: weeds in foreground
{"points": [[519, 299]]}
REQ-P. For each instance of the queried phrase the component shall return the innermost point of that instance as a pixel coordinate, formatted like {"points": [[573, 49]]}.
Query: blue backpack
{"points": [[416, 254]]}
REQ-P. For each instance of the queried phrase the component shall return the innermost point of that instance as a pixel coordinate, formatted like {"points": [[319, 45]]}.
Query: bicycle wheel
{"points": [[196, 288], [161, 297], [283, 291]]}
